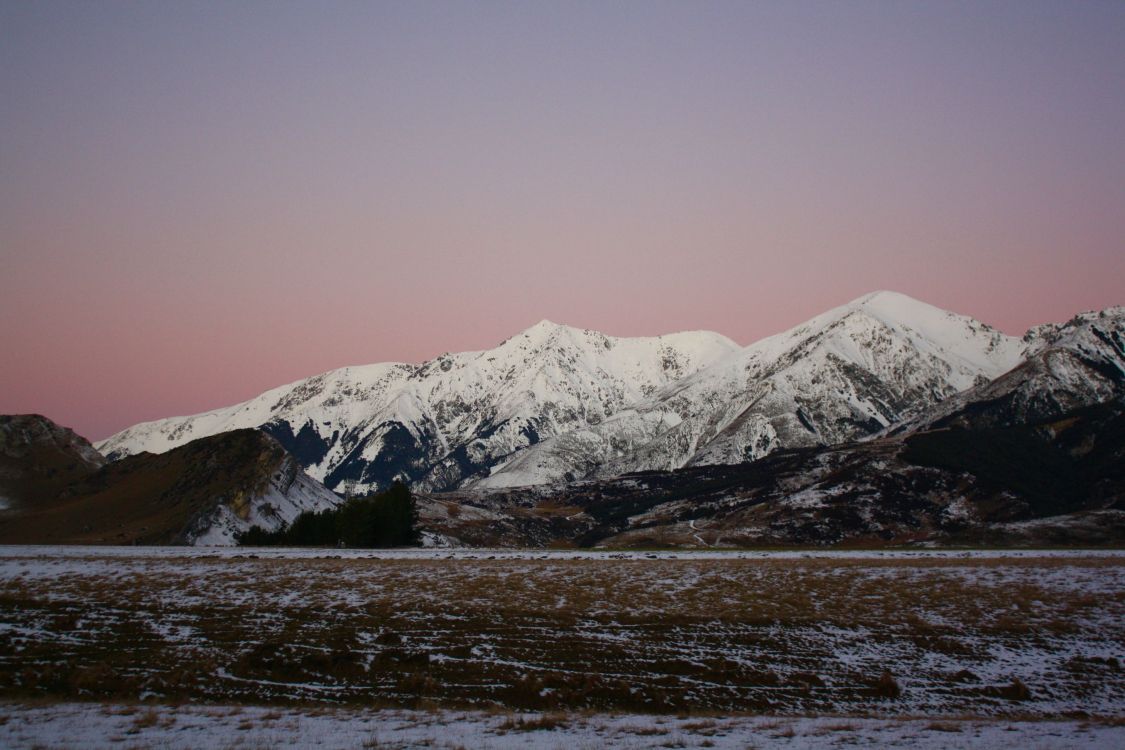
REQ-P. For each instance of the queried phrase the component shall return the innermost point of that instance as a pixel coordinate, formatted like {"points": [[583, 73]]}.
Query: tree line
{"points": [[387, 519]]}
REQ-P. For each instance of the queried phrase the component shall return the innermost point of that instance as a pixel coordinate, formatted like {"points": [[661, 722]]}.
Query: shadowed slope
{"points": [[200, 493]]}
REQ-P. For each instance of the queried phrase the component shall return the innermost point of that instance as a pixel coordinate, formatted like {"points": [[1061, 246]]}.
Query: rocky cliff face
{"points": [[884, 421], [1054, 482]]}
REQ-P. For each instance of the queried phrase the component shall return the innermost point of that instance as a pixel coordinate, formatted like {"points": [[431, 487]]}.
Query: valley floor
{"points": [[407, 646]]}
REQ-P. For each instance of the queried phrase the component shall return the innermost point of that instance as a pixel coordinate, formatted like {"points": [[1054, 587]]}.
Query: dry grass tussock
{"points": [[532, 723], [551, 635]]}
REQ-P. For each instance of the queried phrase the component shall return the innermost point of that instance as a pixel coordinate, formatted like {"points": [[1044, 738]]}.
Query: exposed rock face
{"points": [[1036, 456], [882, 422], [1067, 367]]}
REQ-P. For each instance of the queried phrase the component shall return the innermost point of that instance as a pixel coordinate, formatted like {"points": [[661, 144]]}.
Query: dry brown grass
{"points": [[533, 723], [887, 686], [645, 730], [786, 732], [535, 635], [943, 726], [149, 718], [844, 726]]}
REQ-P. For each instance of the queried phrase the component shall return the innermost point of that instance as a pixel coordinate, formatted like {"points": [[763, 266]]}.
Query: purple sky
{"points": [[199, 201]]}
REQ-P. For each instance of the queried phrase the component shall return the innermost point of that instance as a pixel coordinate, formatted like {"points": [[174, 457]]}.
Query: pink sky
{"points": [[202, 201]]}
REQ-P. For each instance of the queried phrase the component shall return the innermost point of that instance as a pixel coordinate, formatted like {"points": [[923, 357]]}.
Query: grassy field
{"points": [[881, 635]]}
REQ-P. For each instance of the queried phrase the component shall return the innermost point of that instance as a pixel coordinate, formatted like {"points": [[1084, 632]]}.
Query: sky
{"points": [[203, 200]]}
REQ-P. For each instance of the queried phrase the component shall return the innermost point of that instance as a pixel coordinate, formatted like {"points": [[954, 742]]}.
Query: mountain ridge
{"points": [[901, 432], [555, 403], [761, 398], [39, 457], [438, 419]]}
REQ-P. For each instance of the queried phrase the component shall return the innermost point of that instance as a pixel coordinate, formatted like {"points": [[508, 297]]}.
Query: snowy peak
{"points": [[844, 374], [1099, 330], [896, 306], [542, 330], [937, 331], [546, 335], [879, 333]]}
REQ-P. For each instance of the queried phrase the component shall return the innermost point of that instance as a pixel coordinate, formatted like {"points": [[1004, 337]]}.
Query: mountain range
{"points": [[556, 415], [442, 423], [556, 403]]}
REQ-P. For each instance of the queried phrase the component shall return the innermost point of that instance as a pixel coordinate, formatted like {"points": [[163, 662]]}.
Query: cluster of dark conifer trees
{"points": [[388, 519]]}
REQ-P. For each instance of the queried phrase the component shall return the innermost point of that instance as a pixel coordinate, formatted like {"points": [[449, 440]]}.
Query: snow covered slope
{"points": [[1068, 366], [436, 423], [844, 374], [281, 492]]}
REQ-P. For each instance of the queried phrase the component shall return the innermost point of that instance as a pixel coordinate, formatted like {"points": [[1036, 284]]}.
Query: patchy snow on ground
{"points": [[94, 726], [483, 553], [1017, 635]]}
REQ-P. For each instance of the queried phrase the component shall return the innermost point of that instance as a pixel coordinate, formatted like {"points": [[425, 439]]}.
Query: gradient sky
{"points": [[199, 201]]}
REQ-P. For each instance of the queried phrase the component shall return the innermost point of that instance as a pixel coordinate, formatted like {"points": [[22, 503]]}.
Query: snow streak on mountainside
{"points": [[844, 374], [437, 423]]}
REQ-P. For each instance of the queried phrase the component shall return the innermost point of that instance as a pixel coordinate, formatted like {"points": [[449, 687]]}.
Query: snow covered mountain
{"points": [[555, 403], [437, 423], [844, 374]]}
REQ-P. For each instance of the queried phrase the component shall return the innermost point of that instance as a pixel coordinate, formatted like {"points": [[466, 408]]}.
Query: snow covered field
{"points": [[94, 726], [606, 639]]}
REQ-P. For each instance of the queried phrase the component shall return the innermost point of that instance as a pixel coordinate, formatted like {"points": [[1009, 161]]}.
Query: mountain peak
{"points": [[881, 296], [546, 330], [893, 304], [24, 433], [545, 325], [897, 309]]}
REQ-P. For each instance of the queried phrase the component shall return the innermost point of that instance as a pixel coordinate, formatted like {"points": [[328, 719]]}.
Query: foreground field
{"points": [[92, 727], [1028, 635]]}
